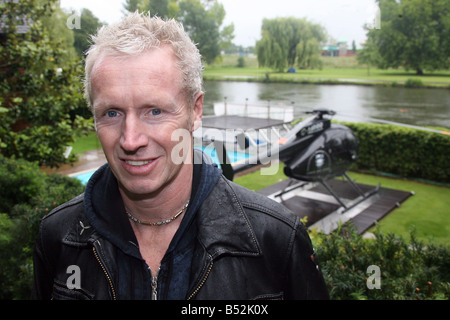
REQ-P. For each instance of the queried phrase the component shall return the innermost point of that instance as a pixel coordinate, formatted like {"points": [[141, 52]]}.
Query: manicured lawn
{"points": [[386, 77], [427, 211], [334, 69]]}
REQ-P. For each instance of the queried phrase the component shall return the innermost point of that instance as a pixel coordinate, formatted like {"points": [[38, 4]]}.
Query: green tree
{"points": [[368, 55], [38, 88], [202, 19], [56, 27], [414, 34], [131, 5], [159, 8], [89, 25], [202, 28], [290, 42]]}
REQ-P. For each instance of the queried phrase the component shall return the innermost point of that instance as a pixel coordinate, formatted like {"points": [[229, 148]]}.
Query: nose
{"points": [[133, 135]]}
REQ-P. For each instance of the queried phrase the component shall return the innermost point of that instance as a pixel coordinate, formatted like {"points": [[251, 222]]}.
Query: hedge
{"points": [[403, 151], [408, 269]]}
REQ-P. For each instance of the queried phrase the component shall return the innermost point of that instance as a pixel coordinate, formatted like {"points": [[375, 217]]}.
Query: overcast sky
{"points": [[343, 19]]}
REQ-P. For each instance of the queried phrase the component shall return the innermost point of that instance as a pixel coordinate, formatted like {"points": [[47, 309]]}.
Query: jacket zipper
{"points": [[201, 282], [104, 271], [154, 284], [154, 279]]}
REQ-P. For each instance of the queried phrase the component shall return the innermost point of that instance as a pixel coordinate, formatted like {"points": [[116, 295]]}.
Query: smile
{"points": [[138, 163], [139, 167]]}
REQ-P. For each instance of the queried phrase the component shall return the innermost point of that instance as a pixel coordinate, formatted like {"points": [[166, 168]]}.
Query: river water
{"points": [[421, 107]]}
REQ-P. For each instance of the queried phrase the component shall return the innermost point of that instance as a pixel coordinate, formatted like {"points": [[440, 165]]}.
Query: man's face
{"points": [[138, 102]]}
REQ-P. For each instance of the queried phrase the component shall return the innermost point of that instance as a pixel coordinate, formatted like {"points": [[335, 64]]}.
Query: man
{"points": [[150, 226]]}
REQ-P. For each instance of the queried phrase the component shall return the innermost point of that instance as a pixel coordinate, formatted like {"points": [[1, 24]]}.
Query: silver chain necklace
{"points": [[159, 223]]}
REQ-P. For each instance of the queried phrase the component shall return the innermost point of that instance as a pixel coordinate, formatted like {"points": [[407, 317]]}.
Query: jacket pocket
{"points": [[270, 296], [61, 292]]}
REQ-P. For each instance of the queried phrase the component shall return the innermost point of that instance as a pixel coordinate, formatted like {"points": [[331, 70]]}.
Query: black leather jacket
{"points": [[246, 247]]}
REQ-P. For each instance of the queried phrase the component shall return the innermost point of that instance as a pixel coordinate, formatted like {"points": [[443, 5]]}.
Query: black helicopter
{"points": [[314, 150]]}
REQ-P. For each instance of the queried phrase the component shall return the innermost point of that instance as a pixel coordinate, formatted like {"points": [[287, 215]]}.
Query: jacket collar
{"points": [[223, 225], [80, 232], [97, 219]]}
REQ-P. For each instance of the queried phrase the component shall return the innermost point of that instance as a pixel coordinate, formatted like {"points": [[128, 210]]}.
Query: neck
{"points": [[164, 203]]}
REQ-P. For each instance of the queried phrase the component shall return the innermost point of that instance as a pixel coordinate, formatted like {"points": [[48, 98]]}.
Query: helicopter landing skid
{"points": [[362, 195]]}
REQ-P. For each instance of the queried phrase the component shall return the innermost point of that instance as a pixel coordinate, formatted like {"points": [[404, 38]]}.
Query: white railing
{"points": [[279, 112]]}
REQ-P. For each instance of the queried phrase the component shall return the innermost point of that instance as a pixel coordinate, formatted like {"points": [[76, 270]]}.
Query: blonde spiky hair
{"points": [[138, 33]]}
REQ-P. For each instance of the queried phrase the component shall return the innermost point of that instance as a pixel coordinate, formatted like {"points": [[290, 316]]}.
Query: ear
{"points": [[197, 111]]}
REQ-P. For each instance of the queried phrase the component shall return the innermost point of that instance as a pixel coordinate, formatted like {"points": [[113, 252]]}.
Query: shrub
{"points": [[408, 270], [20, 181], [241, 62], [26, 196], [413, 83], [403, 151]]}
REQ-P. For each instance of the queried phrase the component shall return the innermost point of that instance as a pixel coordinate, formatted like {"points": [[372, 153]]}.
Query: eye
{"points": [[112, 114], [155, 112]]}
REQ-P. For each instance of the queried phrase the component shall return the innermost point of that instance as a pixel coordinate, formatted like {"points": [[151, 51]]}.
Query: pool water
{"points": [[84, 177], [233, 156]]}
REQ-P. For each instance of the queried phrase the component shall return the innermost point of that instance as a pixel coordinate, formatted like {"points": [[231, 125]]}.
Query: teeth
{"points": [[138, 163]]}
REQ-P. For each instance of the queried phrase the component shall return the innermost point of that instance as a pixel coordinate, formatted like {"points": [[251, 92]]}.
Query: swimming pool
{"points": [[233, 156], [84, 177]]}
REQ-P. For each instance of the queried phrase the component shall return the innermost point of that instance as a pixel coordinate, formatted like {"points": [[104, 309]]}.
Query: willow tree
{"points": [[290, 42]]}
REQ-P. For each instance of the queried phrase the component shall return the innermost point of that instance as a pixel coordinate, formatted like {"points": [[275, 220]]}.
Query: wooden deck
{"points": [[313, 201]]}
